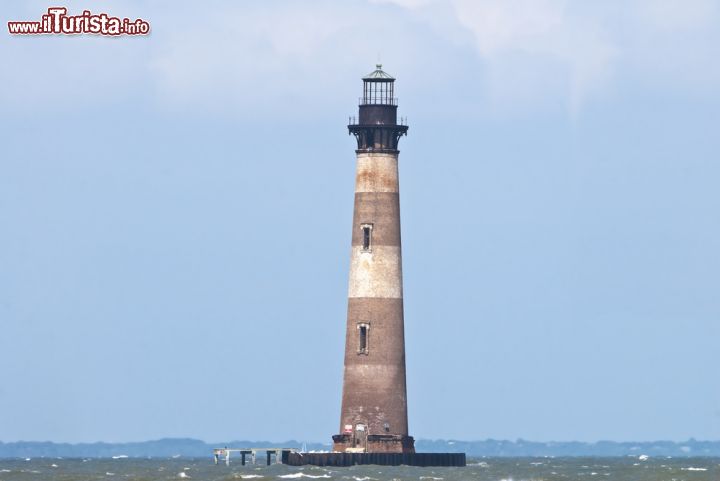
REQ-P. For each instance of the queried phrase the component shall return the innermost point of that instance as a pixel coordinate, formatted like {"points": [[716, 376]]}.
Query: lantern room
{"points": [[378, 88]]}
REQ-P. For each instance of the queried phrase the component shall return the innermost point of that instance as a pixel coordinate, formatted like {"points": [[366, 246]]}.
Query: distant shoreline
{"points": [[174, 447]]}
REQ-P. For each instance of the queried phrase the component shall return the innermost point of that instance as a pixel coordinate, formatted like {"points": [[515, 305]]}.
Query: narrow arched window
{"points": [[367, 237], [363, 337]]}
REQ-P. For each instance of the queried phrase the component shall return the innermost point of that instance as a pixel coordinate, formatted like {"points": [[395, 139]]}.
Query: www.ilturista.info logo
{"points": [[57, 21]]}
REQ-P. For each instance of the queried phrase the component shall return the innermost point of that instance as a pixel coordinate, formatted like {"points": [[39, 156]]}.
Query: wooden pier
{"points": [[281, 454]]}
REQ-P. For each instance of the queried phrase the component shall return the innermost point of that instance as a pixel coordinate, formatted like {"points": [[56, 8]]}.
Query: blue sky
{"points": [[176, 212]]}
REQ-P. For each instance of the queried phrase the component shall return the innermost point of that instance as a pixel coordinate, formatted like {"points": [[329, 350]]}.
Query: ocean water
{"points": [[491, 469]]}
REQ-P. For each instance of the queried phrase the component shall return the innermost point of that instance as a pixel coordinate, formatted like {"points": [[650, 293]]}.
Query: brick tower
{"points": [[373, 417]]}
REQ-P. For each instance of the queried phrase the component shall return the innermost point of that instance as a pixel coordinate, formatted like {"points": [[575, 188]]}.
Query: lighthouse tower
{"points": [[373, 417]]}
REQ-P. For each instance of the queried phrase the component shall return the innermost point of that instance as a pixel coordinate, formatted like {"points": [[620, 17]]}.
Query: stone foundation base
{"points": [[381, 459], [376, 443]]}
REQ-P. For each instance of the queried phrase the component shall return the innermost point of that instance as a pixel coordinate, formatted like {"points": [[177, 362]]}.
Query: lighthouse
{"points": [[373, 415]]}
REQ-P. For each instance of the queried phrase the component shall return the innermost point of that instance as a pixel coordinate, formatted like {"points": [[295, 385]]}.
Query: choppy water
{"points": [[490, 469]]}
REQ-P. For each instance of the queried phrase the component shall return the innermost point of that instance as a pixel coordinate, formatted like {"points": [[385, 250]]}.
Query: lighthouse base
{"points": [[380, 459], [376, 443]]}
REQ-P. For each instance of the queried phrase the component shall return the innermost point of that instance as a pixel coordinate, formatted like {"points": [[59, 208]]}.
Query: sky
{"points": [[175, 218]]}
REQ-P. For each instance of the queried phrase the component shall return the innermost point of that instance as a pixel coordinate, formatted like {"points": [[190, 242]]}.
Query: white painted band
{"points": [[377, 273], [376, 173]]}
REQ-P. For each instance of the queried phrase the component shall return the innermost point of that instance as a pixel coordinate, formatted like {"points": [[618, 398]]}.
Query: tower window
{"points": [[367, 237], [363, 331]]}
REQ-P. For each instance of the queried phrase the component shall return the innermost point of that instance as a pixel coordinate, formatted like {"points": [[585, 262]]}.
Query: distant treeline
{"points": [[165, 448], [492, 447]]}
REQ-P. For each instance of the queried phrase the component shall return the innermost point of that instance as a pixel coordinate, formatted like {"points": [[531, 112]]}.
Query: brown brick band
{"points": [[382, 210], [385, 337], [371, 383], [374, 389]]}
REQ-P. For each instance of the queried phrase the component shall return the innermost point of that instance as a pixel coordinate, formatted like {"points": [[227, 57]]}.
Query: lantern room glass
{"points": [[378, 93]]}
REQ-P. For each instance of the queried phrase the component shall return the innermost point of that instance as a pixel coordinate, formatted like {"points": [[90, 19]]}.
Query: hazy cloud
{"points": [[224, 56], [562, 50]]}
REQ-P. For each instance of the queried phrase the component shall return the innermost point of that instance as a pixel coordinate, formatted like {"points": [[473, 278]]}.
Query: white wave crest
{"points": [[303, 475]]}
